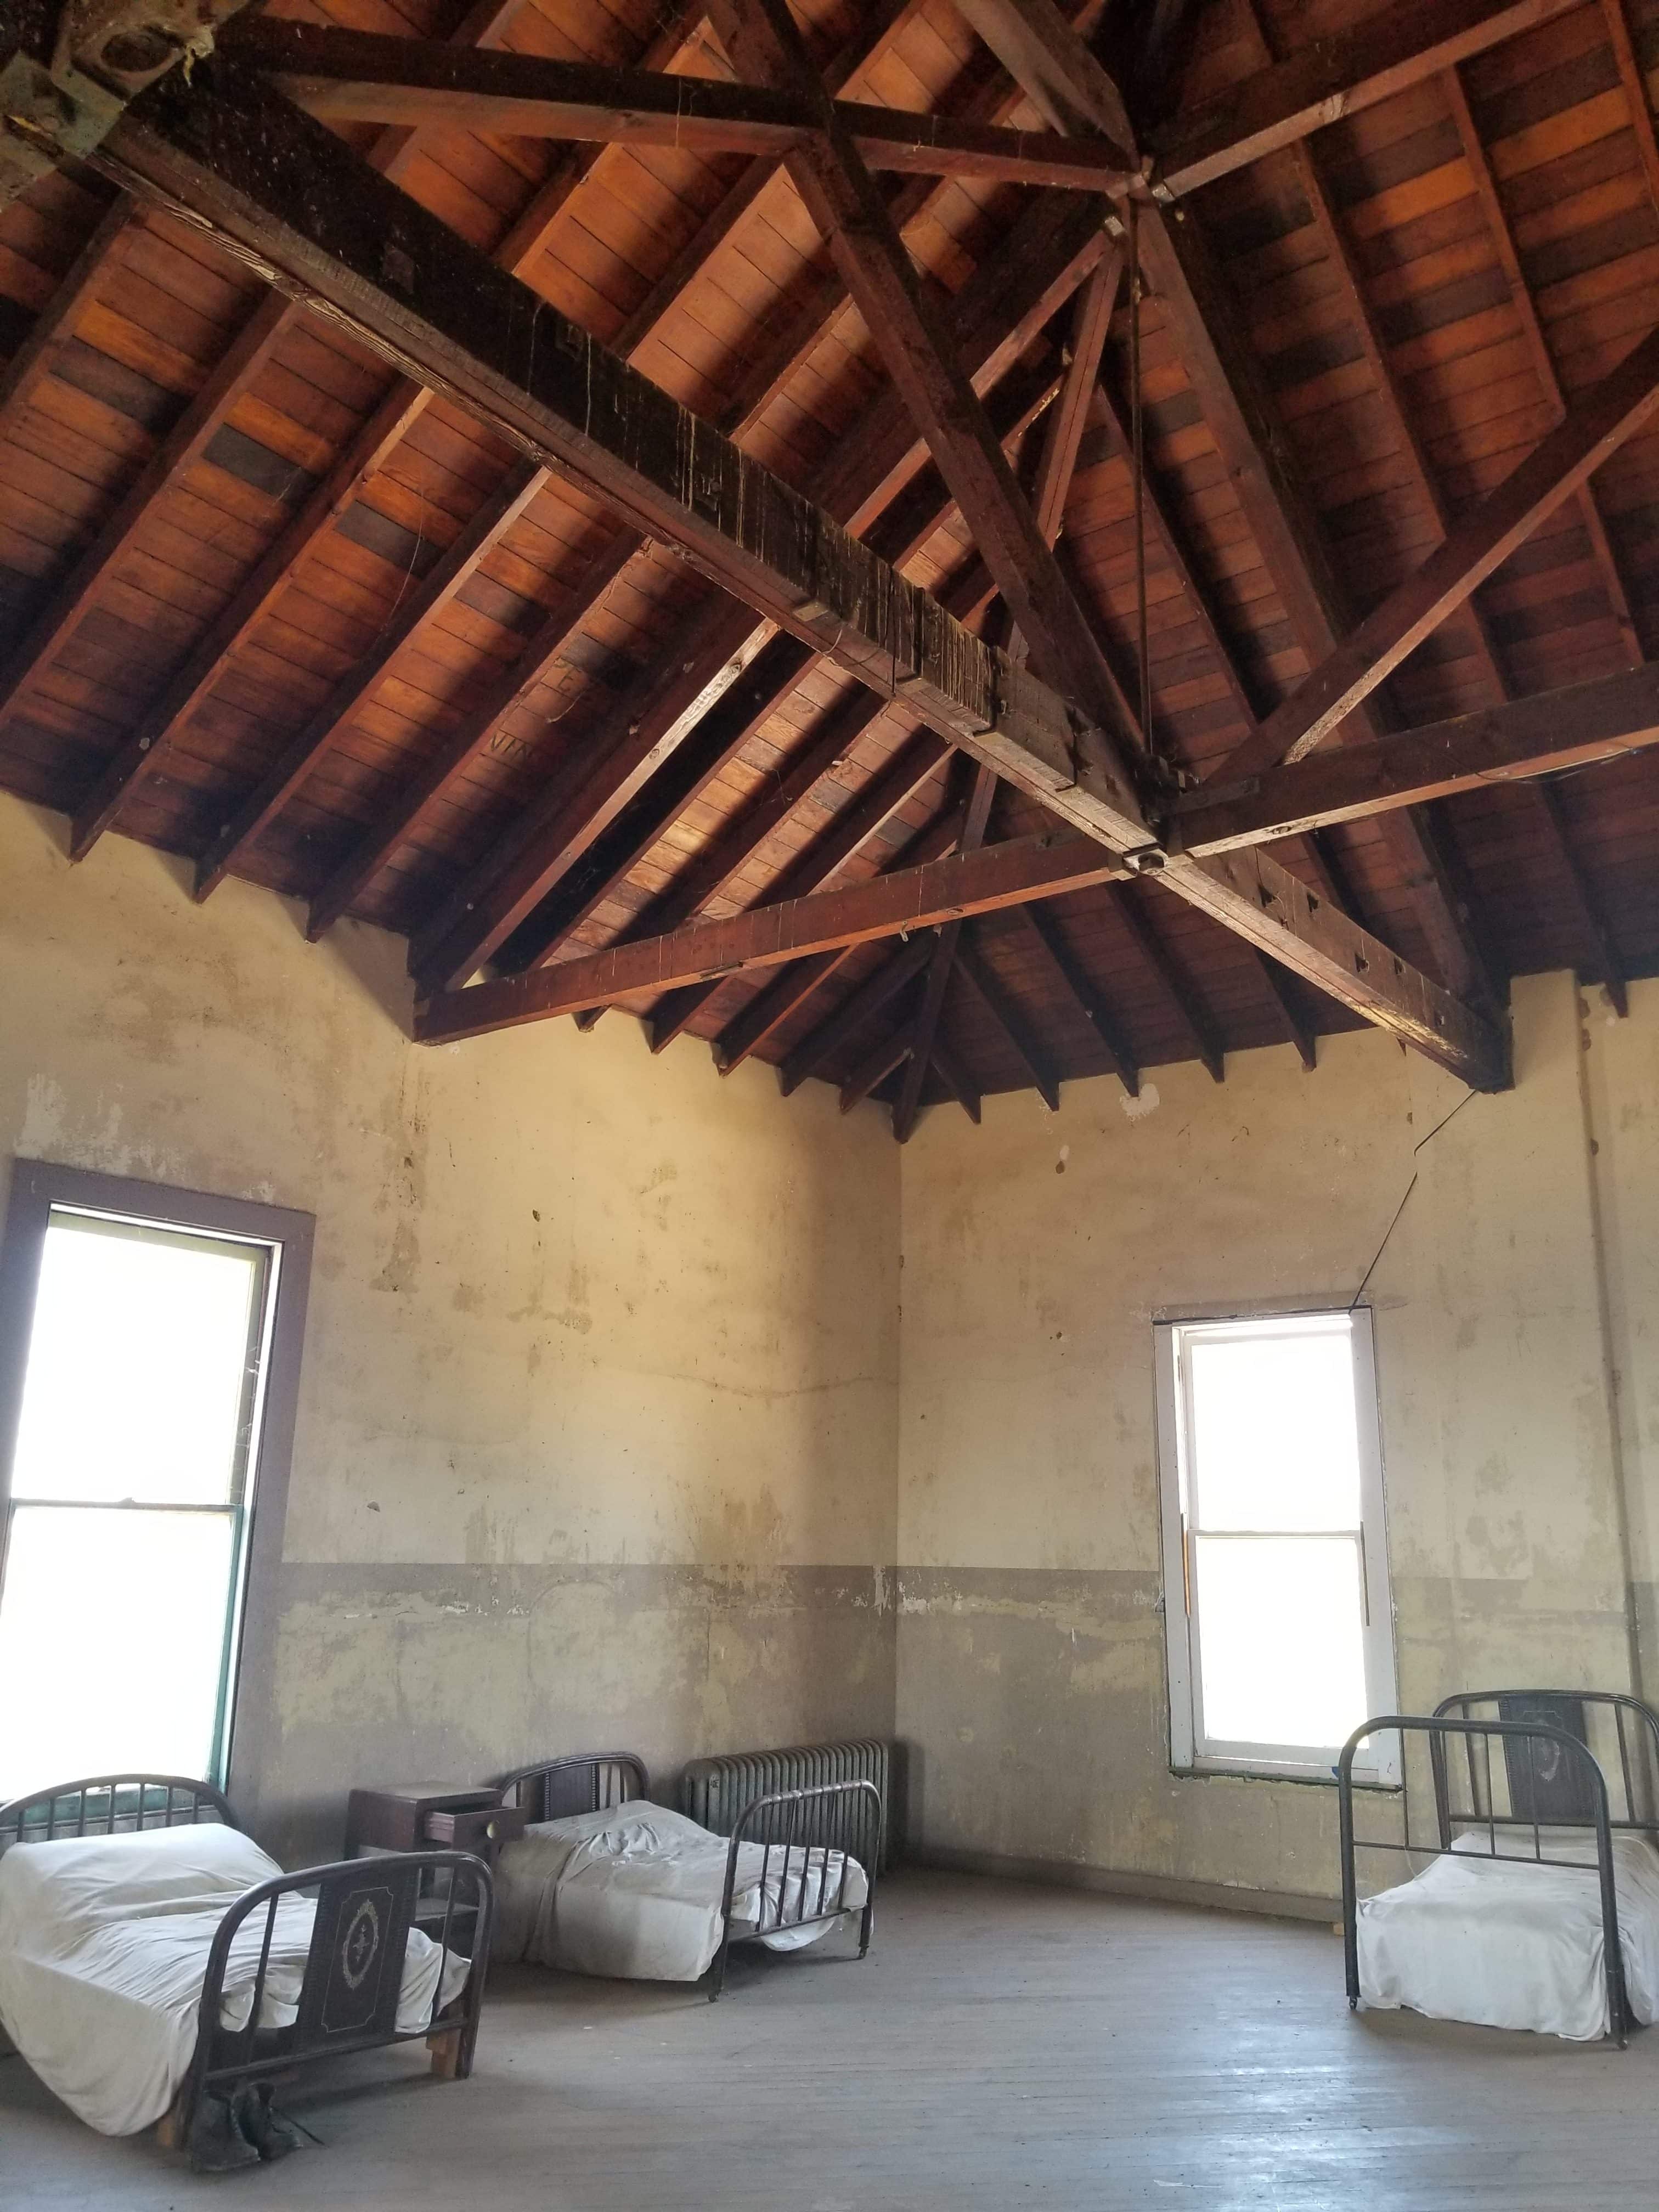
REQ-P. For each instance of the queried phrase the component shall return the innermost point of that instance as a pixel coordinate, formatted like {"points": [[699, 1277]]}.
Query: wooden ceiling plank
{"points": [[264, 181], [748, 1028], [909, 900], [1601, 419], [1231, 392], [742, 835], [476, 919], [997, 1002], [899, 1049], [827, 170], [956, 1079], [343, 75], [482, 25], [1502, 238], [1545, 734], [871, 40], [1080, 989], [541, 651], [114, 536], [838, 1028], [1342, 73], [434, 591], [1175, 990], [53, 329], [1634, 81], [908, 1102], [148, 748]]}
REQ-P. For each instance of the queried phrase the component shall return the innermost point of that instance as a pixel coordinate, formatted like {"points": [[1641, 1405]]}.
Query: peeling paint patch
{"points": [[1137, 1109]]}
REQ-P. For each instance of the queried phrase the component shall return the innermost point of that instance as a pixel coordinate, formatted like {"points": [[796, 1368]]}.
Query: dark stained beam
{"points": [[878, 989], [1532, 329], [1549, 732], [1046, 932], [1027, 1049], [1177, 992], [912, 899], [1342, 73], [435, 591], [956, 1079], [113, 538], [54, 326], [1024, 37], [1602, 419], [868, 811], [908, 1102], [878, 1064], [1238, 410], [357, 76], [268, 182], [756, 1023], [768, 1010], [1289, 1012], [149, 747], [763, 38]]}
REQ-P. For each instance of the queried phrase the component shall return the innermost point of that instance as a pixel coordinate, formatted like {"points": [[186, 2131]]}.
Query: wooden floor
{"points": [[1001, 2047]]}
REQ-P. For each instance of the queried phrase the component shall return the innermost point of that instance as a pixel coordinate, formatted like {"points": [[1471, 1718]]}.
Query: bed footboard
{"points": [[811, 1837], [350, 1991], [1513, 1806]]}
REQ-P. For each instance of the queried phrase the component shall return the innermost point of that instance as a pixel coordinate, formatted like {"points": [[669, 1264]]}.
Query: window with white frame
{"points": [[1276, 1592]]}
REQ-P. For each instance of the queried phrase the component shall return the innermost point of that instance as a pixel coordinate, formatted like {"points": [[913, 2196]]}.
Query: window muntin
{"points": [[126, 1529], [1276, 1601]]}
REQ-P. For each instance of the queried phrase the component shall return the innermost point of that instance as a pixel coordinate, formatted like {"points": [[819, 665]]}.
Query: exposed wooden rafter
{"points": [[259, 174]]}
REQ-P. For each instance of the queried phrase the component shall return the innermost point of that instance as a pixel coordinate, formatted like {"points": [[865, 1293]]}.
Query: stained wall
{"points": [[598, 1420], [1509, 1248]]}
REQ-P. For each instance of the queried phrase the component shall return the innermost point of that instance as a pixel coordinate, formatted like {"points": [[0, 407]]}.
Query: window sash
{"points": [[1190, 1750]]}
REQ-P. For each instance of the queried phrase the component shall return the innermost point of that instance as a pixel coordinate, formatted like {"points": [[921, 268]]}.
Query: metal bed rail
{"points": [[1576, 1711], [587, 1781], [820, 1834], [111, 1805], [1546, 1749], [352, 1984]]}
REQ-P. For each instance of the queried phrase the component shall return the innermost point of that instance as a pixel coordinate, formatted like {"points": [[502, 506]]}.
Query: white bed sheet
{"points": [[635, 1892], [1472, 1938], [104, 1945]]}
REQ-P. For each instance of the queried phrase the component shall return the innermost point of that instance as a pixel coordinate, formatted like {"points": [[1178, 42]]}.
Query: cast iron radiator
{"points": [[714, 1791]]}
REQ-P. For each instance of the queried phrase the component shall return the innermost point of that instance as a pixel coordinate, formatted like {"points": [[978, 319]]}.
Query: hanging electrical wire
{"points": [[1137, 467]]}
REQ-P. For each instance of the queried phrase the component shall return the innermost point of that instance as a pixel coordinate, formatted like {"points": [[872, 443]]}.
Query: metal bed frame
{"points": [[807, 1827], [1552, 1777], [353, 1977]]}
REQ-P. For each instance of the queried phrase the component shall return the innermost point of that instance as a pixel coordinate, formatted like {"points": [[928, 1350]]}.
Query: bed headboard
{"points": [[1543, 1782], [111, 1805], [585, 1781]]}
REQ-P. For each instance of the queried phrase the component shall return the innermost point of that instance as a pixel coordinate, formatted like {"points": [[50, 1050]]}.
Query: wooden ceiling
{"points": [[270, 607]]}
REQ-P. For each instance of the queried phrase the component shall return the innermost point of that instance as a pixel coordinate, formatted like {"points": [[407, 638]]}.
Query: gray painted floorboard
{"points": [[1002, 2047]]}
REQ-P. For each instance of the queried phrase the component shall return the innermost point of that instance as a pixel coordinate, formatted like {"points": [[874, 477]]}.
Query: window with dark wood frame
{"points": [[172, 1473]]}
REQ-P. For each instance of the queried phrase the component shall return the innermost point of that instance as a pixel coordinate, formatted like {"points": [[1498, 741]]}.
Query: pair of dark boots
{"points": [[244, 2129]]}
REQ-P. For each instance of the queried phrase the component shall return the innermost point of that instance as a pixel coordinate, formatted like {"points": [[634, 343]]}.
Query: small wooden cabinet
{"points": [[417, 1816]]}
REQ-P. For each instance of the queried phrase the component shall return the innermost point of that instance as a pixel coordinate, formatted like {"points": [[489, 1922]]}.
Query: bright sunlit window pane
{"points": [[1277, 1616], [1281, 1650], [138, 1360], [1274, 1440], [115, 1621]]}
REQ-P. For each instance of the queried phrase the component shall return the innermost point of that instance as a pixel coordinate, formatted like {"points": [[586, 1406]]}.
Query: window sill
{"points": [[1238, 1769]]}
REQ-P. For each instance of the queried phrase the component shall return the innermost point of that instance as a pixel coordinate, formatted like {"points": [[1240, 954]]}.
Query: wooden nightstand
{"points": [[415, 1816]]}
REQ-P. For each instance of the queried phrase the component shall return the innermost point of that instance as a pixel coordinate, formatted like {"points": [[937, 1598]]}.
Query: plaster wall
{"points": [[597, 1422], [1037, 1252]]}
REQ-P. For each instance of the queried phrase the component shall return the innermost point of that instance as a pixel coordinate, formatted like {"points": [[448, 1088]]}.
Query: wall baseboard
{"points": [[1155, 1889]]}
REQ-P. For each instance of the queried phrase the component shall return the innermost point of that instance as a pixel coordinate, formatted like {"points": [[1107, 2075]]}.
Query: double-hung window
{"points": [[138, 1329], [1276, 1593]]}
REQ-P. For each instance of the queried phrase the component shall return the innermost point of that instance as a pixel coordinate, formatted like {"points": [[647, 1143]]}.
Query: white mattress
{"points": [[636, 1892], [1477, 1939], [104, 1945]]}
